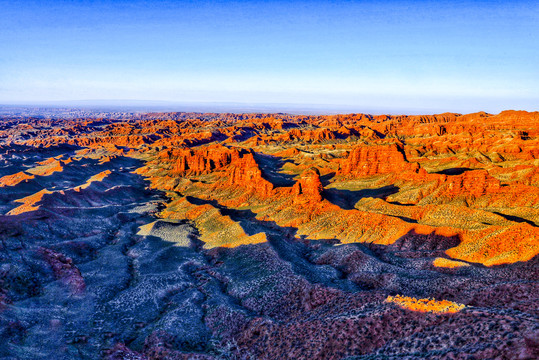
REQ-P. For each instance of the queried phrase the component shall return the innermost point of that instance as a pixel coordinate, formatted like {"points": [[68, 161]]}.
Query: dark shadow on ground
{"points": [[425, 242], [326, 179], [414, 245], [399, 203], [271, 167], [21, 157], [347, 199], [246, 218], [454, 171], [515, 218], [288, 247]]}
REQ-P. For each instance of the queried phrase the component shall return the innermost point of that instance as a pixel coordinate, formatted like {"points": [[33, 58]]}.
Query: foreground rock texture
{"points": [[255, 236]]}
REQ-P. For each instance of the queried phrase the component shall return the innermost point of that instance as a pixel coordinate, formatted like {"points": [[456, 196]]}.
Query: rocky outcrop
{"points": [[376, 160], [471, 183], [199, 161], [314, 136], [245, 172], [308, 188]]}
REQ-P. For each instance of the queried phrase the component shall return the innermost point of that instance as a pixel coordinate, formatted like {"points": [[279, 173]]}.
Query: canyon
{"points": [[270, 236]]}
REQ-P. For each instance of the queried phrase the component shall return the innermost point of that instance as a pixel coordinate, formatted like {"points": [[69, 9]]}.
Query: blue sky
{"points": [[390, 56]]}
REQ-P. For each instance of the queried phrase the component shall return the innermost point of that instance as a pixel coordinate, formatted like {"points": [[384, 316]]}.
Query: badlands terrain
{"points": [[256, 236]]}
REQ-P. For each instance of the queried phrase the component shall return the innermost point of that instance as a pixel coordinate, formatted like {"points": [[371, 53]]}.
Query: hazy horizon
{"points": [[146, 106], [396, 56]]}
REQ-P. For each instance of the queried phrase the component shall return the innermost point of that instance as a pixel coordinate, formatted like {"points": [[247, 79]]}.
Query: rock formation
{"points": [[376, 160], [308, 189]]}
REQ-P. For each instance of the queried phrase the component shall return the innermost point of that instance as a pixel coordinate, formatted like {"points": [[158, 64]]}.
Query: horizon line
{"points": [[234, 107]]}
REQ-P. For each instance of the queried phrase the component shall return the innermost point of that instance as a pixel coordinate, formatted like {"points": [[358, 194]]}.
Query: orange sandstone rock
{"points": [[447, 263], [47, 168], [308, 189], [375, 160], [29, 203], [245, 172], [12, 180], [425, 305]]}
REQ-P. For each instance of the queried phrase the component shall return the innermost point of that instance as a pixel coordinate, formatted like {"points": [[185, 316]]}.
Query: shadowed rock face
{"points": [[253, 236]]}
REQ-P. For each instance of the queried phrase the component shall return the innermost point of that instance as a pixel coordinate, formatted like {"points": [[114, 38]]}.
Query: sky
{"points": [[359, 56]]}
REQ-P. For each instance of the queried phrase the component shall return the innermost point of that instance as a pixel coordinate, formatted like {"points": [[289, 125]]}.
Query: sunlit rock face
{"points": [[308, 189], [375, 160], [255, 236]]}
